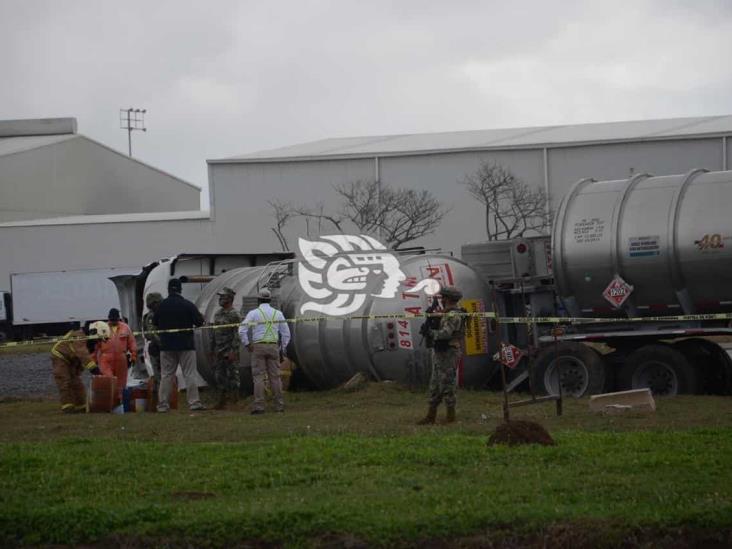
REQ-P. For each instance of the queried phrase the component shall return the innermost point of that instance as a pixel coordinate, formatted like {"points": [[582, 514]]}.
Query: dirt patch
{"points": [[520, 432], [192, 496]]}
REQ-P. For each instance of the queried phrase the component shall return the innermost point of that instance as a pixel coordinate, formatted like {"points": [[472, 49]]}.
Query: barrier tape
{"points": [[401, 316]]}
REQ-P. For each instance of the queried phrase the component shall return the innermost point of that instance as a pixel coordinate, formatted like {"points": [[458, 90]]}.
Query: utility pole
{"points": [[132, 119]]}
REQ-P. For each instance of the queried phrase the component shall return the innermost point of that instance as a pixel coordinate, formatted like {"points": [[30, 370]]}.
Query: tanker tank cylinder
{"points": [[376, 336], [666, 242]]}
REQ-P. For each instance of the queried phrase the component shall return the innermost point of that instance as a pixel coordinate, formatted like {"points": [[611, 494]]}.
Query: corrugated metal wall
{"points": [[248, 187]]}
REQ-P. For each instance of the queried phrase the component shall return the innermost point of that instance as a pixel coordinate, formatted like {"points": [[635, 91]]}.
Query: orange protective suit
{"points": [[111, 354]]}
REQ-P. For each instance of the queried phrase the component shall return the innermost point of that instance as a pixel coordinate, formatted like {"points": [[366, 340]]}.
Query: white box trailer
{"points": [[64, 296]]}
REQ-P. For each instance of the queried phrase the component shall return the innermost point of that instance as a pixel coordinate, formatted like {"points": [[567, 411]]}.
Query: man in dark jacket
{"points": [[176, 312]]}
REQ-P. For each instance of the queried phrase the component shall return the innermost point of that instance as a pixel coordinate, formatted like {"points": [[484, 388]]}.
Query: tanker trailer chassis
{"points": [[668, 356], [668, 360]]}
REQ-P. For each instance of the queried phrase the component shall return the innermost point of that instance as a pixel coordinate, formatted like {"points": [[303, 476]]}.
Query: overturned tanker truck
{"points": [[352, 304], [643, 267], [351, 300]]}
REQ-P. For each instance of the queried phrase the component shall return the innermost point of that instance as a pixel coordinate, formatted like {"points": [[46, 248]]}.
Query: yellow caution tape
{"points": [[400, 316]]}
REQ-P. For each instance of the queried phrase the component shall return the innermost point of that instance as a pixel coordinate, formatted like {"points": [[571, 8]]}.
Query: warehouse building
{"points": [[68, 202], [552, 158]]}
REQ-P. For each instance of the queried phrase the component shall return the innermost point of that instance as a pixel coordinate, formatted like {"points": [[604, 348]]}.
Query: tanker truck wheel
{"points": [[663, 370], [582, 370]]}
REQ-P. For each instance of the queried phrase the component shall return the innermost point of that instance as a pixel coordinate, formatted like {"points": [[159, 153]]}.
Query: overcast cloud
{"points": [[223, 78]]}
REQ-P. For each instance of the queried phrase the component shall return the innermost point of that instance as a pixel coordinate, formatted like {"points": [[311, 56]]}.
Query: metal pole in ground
{"points": [[530, 331], [506, 415], [557, 331]]}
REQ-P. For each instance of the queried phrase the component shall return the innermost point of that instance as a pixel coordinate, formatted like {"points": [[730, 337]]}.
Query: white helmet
{"points": [[100, 329]]}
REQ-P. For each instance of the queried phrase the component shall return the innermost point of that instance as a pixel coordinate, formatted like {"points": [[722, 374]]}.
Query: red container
{"points": [[103, 393]]}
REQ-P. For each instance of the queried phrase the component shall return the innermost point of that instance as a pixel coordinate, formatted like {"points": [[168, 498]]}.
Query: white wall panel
{"points": [[619, 161], [242, 191]]}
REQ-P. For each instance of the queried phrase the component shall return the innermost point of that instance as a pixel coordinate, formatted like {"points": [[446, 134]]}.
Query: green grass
{"points": [[11, 348], [355, 465]]}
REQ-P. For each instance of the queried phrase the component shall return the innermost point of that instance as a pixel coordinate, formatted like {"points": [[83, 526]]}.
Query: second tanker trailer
{"points": [[644, 267]]}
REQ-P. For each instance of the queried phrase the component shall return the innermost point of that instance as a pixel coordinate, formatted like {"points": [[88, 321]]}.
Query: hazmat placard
{"points": [[617, 292], [476, 328], [509, 355]]}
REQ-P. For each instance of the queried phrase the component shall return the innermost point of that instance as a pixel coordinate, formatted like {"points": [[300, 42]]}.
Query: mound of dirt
{"points": [[520, 432]]}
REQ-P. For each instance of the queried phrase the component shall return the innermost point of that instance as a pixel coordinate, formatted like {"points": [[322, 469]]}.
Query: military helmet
{"points": [[152, 298], [228, 292], [451, 292]]}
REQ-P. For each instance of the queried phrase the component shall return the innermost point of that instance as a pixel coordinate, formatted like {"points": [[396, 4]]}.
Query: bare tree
{"points": [[363, 203], [512, 207], [398, 216], [282, 213], [318, 214], [412, 214]]}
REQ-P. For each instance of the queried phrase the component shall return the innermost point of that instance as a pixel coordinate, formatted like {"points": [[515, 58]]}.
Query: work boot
{"points": [[221, 404], [451, 414], [73, 410], [429, 419]]}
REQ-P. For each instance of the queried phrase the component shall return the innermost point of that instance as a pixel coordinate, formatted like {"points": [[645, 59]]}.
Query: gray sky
{"points": [[222, 78]]}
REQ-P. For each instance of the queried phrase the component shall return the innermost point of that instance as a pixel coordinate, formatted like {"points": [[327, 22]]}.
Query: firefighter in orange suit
{"points": [[69, 358], [116, 353]]}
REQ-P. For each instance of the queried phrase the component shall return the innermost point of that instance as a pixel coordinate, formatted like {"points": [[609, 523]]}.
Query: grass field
{"points": [[352, 469], [11, 348]]}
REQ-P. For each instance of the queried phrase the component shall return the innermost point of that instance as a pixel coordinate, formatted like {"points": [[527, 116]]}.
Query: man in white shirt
{"points": [[269, 336]]}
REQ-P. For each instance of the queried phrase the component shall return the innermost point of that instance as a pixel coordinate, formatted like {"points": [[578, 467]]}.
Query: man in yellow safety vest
{"points": [[269, 337]]}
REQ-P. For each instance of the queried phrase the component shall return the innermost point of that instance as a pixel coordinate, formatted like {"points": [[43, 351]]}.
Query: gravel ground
{"points": [[26, 375]]}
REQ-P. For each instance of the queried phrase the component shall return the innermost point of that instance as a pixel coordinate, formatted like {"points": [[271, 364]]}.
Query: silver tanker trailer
{"points": [[377, 337], [624, 253], [368, 331]]}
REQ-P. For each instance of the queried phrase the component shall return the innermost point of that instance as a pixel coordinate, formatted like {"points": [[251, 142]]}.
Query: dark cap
{"points": [[174, 285], [228, 292], [113, 314]]}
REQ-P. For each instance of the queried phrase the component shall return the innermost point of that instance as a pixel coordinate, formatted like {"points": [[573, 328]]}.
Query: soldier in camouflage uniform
{"points": [[152, 300], [226, 348], [446, 354]]}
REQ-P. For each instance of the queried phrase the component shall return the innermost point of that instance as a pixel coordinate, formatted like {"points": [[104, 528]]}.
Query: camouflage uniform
{"points": [[226, 341], [152, 300], [445, 362], [446, 352], [153, 347]]}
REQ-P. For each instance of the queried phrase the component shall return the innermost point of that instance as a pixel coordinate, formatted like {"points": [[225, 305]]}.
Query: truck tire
{"points": [[711, 363], [582, 370], [662, 369]]}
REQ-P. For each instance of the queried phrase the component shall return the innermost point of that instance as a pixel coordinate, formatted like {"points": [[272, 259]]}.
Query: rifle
{"points": [[430, 323]]}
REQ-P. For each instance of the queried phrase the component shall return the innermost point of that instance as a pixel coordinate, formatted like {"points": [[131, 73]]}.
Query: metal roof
{"points": [[111, 218], [496, 139], [12, 145]]}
